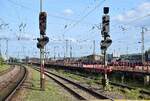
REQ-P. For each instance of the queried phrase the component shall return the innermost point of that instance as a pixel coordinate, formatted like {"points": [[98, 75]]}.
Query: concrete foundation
{"points": [[146, 80], [122, 79]]}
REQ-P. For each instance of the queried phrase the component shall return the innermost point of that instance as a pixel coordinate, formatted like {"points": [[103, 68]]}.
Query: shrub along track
{"points": [[7, 70]]}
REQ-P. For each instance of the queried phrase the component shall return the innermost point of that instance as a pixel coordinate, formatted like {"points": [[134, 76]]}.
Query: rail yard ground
{"points": [[95, 81], [4, 67], [30, 90]]}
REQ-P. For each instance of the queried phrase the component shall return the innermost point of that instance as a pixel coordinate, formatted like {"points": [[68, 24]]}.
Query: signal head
{"points": [[42, 22], [106, 10]]}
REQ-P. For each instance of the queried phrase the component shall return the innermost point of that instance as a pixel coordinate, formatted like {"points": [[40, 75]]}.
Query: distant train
{"points": [[78, 66], [98, 68], [131, 64]]}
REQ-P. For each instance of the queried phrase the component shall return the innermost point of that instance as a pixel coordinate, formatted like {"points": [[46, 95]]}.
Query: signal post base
{"points": [[42, 83], [105, 82]]}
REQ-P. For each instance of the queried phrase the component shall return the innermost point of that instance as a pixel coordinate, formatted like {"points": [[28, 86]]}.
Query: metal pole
{"points": [[0, 49], [7, 50], [93, 47], [142, 49], [105, 69], [70, 50], [54, 52], [66, 48], [40, 5], [42, 76], [105, 66], [127, 52], [64, 52], [45, 54]]}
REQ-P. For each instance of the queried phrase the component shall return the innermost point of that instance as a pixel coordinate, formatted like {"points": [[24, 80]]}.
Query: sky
{"points": [[74, 20]]}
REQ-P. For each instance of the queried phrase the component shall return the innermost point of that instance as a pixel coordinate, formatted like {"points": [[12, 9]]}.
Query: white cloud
{"points": [[68, 12], [144, 7], [120, 17], [139, 12], [131, 13]]}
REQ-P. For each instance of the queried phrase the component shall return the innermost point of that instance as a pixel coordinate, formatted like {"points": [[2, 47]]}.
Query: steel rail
{"points": [[19, 83], [90, 91]]}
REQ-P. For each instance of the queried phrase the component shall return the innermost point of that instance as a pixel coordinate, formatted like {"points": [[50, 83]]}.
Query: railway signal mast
{"points": [[105, 43], [42, 41]]}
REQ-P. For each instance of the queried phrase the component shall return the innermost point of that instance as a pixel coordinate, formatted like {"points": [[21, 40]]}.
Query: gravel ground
{"points": [[5, 79], [95, 87], [21, 93], [26, 89]]}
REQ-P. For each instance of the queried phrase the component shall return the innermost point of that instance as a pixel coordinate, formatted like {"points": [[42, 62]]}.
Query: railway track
{"points": [[123, 86], [142, 91], [8, 92], [77, 90], [128, 87]]}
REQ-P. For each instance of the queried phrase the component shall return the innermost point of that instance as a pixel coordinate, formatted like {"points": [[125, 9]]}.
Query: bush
{"points": [[1, 61], [132, 94]]}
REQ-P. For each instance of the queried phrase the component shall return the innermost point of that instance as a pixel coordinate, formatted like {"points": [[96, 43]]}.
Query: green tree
{"points": [[1, 61]]}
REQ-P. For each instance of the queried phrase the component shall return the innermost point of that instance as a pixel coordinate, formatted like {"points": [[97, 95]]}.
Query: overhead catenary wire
{"points": [[22, 6], [86, 15], [52, 15], [83, 12], [64, 18], [139, 18], [70, 19], [136, 19], [60, 17], [17, 4]]}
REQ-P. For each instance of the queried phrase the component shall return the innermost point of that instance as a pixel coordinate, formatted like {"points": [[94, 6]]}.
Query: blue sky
{"points": [[125, 14]]}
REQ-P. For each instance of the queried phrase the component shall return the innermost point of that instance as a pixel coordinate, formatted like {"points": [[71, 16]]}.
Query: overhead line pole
{"points": [[6, 50], [0, 48], [67, 48], [142, 48], [70, 50], [54, 52], [93, 47]]}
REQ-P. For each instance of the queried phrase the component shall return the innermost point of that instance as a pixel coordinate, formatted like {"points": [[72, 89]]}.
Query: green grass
{"points": [[76, 76], [92, 80], [138, 85], [132, 94], [129, 94], [132, 83], [4, 67], [51, 93]]}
